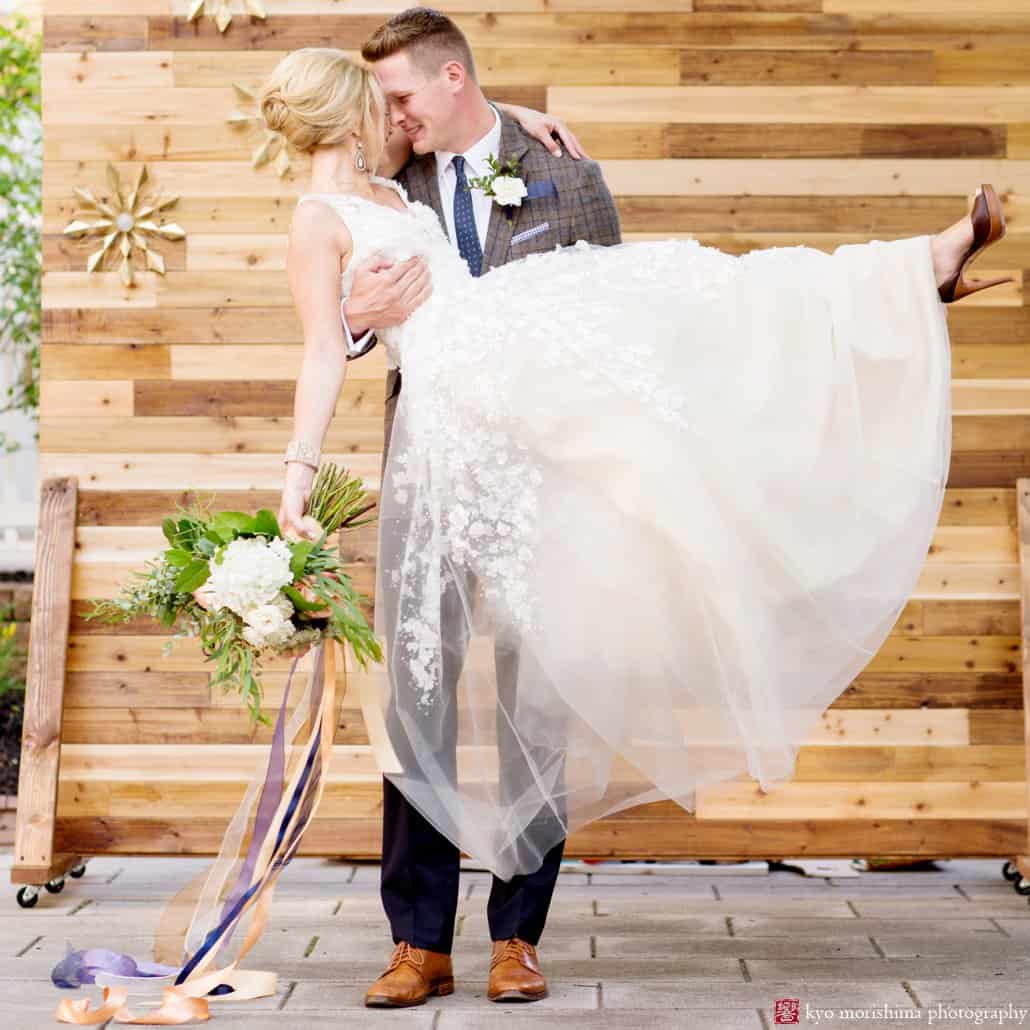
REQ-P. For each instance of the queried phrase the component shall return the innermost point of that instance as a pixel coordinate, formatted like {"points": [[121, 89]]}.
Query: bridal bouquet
{"points": [[236, 582]]}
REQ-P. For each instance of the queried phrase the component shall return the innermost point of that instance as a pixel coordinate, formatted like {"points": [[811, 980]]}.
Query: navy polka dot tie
{"points": [[465, 221]]}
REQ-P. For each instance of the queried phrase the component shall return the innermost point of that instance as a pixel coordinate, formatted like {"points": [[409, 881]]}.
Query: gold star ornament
{"points": [[272, 146], [126, 224], [222, 12]]}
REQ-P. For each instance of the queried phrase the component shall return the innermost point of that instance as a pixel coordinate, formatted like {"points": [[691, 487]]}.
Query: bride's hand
{"points": [[541, 126], [293, 522]]}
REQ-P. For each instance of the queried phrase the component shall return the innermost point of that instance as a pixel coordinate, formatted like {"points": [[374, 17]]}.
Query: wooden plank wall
{"points": [[748, 123]]}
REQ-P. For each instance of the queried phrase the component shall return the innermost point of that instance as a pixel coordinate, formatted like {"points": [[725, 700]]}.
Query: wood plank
{"points": [[867, 104], [910, 689], [82, 399], [654, 832], [817, 177], [76, 32], [802, 67], [96, 361], [633, 140], [896, 800], [200, 214], [199, 435], [1019, 140], [176, 289], [615, 28], [61, 253], [992, 64], [92, 398], [222, 142], [255, 397], [137, 470], [39, 768], [966, 509], [811, 178], [785, 213], [996, 726], [98, 69], [164, 326]]}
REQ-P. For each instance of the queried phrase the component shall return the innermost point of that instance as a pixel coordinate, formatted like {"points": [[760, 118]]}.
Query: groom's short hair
{"points": [[430, 38]]}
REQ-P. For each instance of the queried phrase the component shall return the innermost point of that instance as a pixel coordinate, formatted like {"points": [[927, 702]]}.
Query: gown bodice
{"points": [[378, 229]]}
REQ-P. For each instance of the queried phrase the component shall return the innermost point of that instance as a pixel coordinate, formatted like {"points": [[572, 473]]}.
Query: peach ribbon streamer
{"points": [[187, 1002]]}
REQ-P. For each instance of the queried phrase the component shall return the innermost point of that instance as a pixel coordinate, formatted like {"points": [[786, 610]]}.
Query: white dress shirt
{"points": [[475, 165]]}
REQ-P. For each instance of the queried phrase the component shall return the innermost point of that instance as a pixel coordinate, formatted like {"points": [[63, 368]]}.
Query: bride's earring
{"points": [[359, 158]]}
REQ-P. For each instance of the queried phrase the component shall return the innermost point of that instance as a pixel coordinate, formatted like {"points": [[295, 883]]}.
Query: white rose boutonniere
{"points": [[504, 183]]}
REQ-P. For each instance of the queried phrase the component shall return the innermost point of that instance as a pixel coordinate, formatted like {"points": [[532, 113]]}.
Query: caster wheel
{"points": [[1010, 872], [55, 886], [77, 871], [1022, 887], [28, 896]]}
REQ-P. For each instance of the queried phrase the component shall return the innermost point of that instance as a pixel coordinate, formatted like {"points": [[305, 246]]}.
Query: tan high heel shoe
{"points": [[988, 227]]}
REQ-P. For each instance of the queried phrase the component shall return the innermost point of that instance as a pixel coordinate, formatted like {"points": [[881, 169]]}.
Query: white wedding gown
{"points": [[686, 494]]}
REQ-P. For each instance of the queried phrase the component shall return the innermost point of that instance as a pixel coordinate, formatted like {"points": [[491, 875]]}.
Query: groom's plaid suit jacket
{"points": [[579, 208]]}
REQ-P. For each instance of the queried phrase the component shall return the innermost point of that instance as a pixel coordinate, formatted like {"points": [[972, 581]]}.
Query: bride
{"points": [[692, 539]]}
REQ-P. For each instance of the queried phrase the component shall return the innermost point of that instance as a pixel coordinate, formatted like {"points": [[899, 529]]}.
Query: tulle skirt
{"points": [[647, 511]]}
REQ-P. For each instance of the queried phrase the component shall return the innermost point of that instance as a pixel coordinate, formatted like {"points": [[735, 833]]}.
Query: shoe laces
{"points": [[404, 952], [515, 948]]}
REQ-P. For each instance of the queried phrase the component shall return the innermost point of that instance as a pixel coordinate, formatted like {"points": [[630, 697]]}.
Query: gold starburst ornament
{"points": [[222, 12], [272, 145], [126, 224]]}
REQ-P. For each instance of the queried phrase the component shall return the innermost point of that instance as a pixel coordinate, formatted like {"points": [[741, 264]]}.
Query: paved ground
{"points": [[712, 950]]}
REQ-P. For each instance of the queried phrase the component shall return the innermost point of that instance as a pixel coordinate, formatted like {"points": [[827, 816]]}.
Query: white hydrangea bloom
{"points": [[268, 625], [251, 573]]}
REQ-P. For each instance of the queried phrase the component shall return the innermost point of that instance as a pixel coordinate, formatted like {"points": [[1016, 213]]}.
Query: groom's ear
{"points": [[455, 75]]}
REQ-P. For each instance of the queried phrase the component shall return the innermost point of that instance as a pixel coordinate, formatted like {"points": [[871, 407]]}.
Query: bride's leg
{"points": [[950, 246]]}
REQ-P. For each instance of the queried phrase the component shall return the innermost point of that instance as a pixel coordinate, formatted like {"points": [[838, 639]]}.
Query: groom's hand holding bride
{"points": [[385, 293]]}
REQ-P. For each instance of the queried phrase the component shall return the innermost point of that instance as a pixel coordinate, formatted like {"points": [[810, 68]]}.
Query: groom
{"points": [[425, 66]]}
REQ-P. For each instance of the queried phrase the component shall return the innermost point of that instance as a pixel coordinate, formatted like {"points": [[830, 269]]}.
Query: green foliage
{"points": [[21, 215], [9, 654], [197, 538]]}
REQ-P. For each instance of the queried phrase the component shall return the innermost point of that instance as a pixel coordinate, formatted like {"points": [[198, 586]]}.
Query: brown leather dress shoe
{"points": [[515, 972], [412, 975]]}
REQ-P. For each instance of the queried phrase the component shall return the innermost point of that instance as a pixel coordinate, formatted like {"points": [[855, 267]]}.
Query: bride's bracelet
{"points": [[302, 451]]}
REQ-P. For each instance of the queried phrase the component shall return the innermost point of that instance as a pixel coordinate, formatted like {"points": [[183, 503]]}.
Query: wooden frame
{"points": [[1022, 862], [34, 857]]}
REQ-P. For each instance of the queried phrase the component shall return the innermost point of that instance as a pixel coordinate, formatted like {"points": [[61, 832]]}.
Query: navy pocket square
{"points": [[543, 188]]}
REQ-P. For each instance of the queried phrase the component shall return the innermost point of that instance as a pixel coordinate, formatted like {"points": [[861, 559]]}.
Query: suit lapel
{"points": [[501, 227], [423, 184]]}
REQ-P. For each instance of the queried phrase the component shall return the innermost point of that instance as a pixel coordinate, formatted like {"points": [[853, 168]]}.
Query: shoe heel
{"points": [[989, 227], [445, 986], [966, 288]]}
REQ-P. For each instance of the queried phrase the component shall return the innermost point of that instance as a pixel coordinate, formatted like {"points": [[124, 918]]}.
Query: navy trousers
{"points": [[419, 878]]}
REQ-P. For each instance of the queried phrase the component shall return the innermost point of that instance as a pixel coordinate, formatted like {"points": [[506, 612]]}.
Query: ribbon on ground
{"points": [[194, 944]]}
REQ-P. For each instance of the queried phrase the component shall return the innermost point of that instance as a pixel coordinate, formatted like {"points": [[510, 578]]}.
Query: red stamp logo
{"points": [[786, 1010]]}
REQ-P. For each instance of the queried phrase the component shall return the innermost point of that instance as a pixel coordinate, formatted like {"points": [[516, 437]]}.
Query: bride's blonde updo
{"points": [[318, 96]]}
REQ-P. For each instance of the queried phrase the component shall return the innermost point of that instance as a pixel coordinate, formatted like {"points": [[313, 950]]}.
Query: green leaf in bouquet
{"points": [[266, 523], [299, 602], [206, 546], [232, 522], [171, 531], [194, 575], [215, 537], [300, 551], [177, 557]]}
